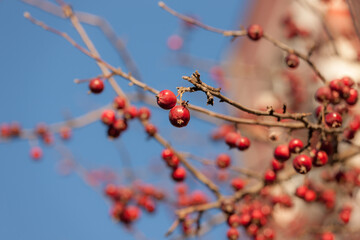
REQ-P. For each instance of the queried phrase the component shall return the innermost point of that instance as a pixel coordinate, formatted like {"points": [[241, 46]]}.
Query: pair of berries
{"points": [[179, 115]]}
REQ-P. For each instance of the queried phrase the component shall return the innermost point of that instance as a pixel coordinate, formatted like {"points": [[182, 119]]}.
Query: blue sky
{"points": [[37, 70]]}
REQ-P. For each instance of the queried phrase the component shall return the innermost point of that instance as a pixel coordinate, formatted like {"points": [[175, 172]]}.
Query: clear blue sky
{"points": [[37, 71]]}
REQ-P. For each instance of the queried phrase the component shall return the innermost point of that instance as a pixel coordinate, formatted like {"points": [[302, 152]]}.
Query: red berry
{"points": [[301, 191], [245, 219], [333, 119], [252, 229], [353, 97], [150, 129], [237, 184], [243, 143], [119, 102], [255, 32], [5, 130], [269, 233], [15, 129], [345, 215], [111, 191], [41, 129], [166, 99], [108, 117], [231, 139], [116, 210], [179, 174], [65, 132], [113, 132], [335, 85], [320, 158], [144, 113], [233, 220], [302, 163], [173, 162], [96, 85], [36, 153], [292, 61], [167, 154], [223, 160], [327, 236], [295, 145], [277, 165], [131, 112], [120, 124], [347, 81], [198, 197], [130, 214], [233, 234], [282, 153], [179, 116], [310, 195], [269, 176], [323, 94]]}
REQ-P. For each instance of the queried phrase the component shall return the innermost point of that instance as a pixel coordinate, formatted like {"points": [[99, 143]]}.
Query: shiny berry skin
{"points": [[295, 145], [108, 117], [131, 112], [310, 195], [243, 143], [320, 158], [166, 99], [333, 119], [179, 174], [96, 85], [179, 116], [347, 81], [223, 160], [327, 236], [237, 184], [302, 163], [119, 102], [36, 153], [335, 85], [277, 165], [282, 153], [255, 32], [167, 154], [301, 191], [144, 113], [269, 176], [353, 97], [231, 139], [233, 234], [150, 129], [323, 94], [120, 124], [292, 61]]}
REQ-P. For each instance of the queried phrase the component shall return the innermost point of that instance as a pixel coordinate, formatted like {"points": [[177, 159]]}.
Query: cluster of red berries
{"points": [[118, 125], [127, 201], [254, 216], [179, 115], [12, 130], [234, 139], [178, 173], [185, 198]]}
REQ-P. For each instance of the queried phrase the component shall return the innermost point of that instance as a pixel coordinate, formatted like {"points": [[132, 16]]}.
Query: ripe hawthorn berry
{"points": [[301, 191], [327, 236], [282, 153], [277, 165], [319, 158], [231, 139], [292, 61], [323, 94], [179, 174], [269, 176], [130, 214], [295, 145], [302, 163], [233, 220], [15, 129], [233, 233], [347, 81], [144, 113], [179, 116], [237, 184], [242, 143], [173, 162], [255, 32], [119, 102], [333, 119], [108, 117], [36, 153], [310, 195], [113, 132], [131, 112], [96, 85], [167, 154], [353, 97], [120, 124], [166, 99], [223, 160], [150, 129]]}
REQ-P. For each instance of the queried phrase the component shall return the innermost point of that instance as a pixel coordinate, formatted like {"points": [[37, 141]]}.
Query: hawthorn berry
{"points": [[96, 85], [245, 219], [335, 85], [347, 81], [255, 32], [242, 143], [233, 220], [233, 233], [323, 94], [144, 113], [179, 116], [119, 102], [269, 233], [130, 214], [108, 117], [120, 124], [292, 61], [131, 112], [231, 139], [15, 129], [223, 160], [65, 132], [320, 158], [269, 176], [167, 154], [295, 145], [166, 99], [302, 163], [333, 119], [327, 236], [310, 195], [282, 153], [113, 132], [179, 174], [237, 184], [173, 162], [353, 97], [150, 129], [36, 153], [277, 165], [301, 191]]}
